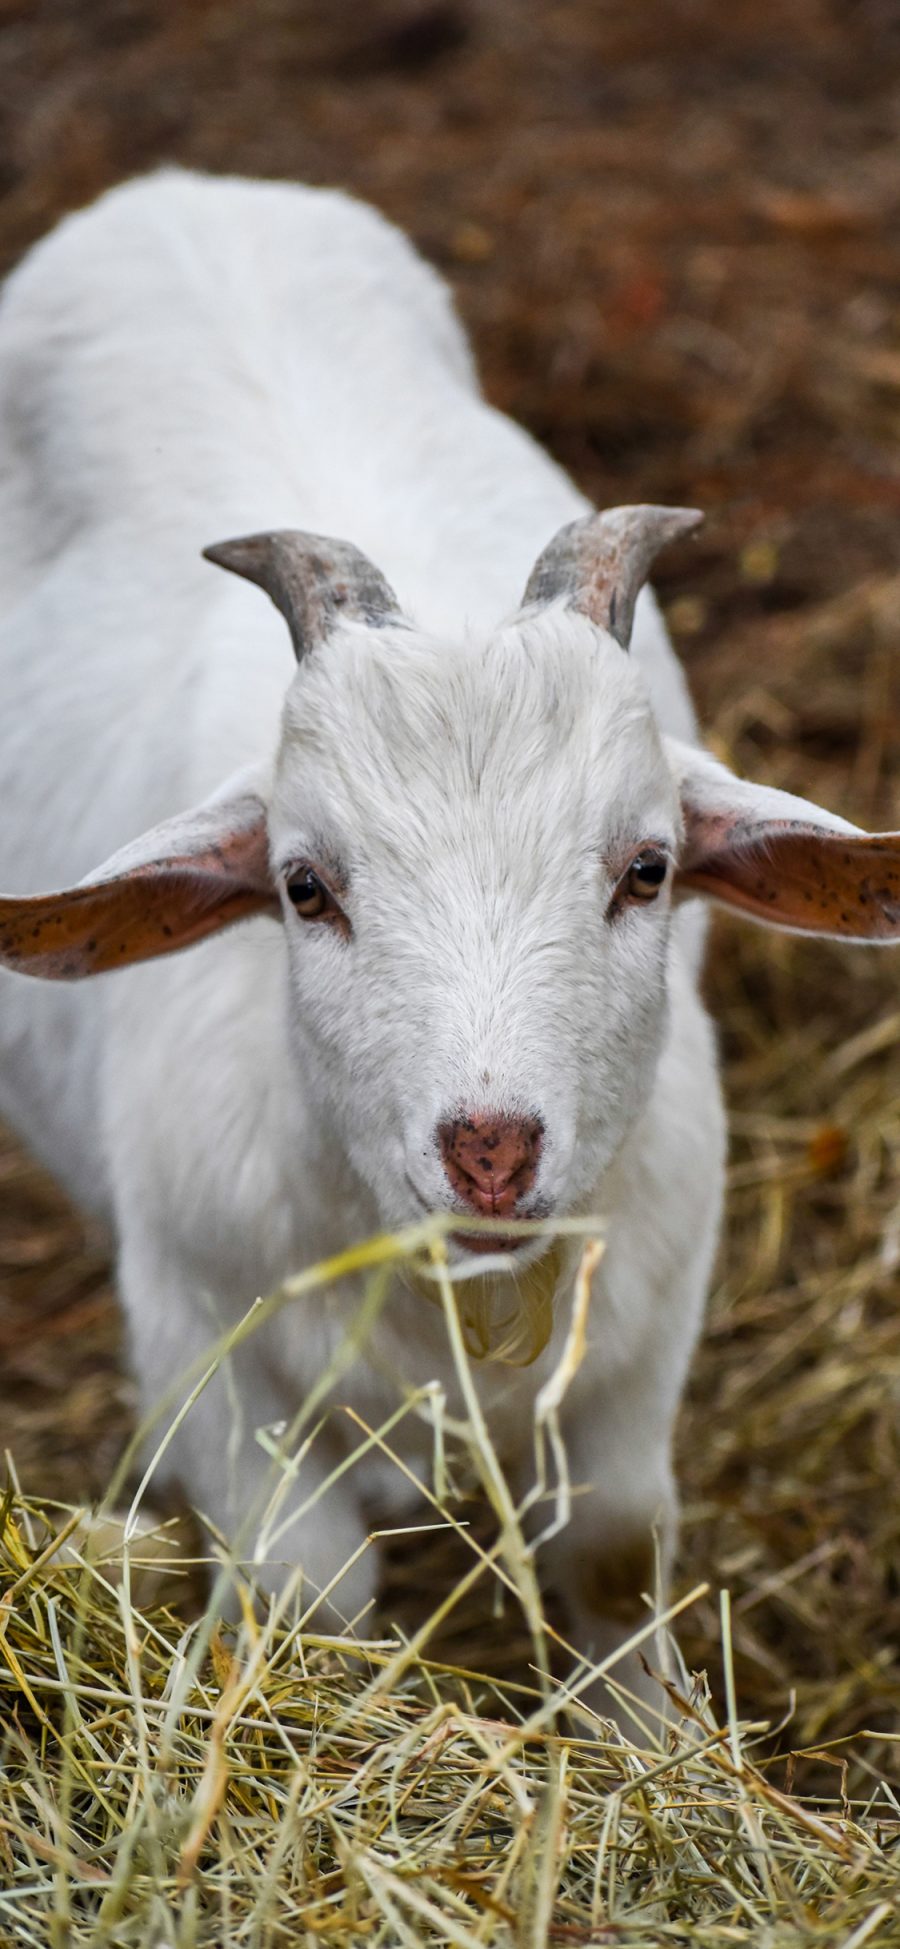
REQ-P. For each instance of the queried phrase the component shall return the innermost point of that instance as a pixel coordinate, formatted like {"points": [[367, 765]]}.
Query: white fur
{"points": [[194, 359]]}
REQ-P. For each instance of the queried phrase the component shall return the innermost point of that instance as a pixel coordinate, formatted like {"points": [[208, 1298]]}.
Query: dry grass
{"points": [[172, 1782], [282, 1789]]}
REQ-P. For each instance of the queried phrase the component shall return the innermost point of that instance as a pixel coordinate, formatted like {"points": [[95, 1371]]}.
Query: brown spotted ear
{"points": [[190, 877], [600, 563], [781, 860]]}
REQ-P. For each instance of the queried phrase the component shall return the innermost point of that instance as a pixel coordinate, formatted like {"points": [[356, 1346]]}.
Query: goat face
{"points": [[474, 847], [474, 852]]}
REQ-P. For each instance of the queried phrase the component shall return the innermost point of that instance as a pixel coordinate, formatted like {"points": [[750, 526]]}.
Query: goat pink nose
{"points": [[491, 1162]]}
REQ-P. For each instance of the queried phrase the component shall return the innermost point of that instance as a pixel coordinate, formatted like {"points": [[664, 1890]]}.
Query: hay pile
{"points": [[169, 1780], [172, 1785]]}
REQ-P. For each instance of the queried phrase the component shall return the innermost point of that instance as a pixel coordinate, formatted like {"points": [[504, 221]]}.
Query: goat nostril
{"points": [[491, 1161]]}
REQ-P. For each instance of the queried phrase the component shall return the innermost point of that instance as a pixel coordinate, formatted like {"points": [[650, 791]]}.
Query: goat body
{"points": [[468, 804]]}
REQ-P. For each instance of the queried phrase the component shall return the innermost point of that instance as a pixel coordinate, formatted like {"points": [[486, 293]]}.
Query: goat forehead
{"points": [[537, 735]]}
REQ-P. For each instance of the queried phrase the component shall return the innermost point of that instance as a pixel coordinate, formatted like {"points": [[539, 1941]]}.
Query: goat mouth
{"points": [[483, 1243]]}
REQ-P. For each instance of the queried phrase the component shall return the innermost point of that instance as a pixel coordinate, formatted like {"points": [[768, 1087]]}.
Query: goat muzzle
{"points": [[491, 1161]]}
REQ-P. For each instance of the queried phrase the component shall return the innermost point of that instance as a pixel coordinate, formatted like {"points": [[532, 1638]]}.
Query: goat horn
{"points": [[314, 580], [600, 563]]}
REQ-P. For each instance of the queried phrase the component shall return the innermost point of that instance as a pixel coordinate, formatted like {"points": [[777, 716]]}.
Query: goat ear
{"points": [[600, 563], [190, 877], [314, 581], [780, 859]]}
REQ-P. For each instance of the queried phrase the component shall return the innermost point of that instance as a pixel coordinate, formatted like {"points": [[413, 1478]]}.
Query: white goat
{"points": [[463, 984]]}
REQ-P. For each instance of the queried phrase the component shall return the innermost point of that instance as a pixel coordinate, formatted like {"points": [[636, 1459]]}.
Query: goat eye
{"points": [[306, 892], [646, 875]]}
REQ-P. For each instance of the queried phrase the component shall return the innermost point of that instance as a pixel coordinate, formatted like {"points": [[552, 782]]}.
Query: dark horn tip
{"points": [[245, 556]]}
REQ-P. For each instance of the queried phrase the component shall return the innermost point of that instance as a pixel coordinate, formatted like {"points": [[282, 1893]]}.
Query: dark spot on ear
{"points": [[167, 930]]}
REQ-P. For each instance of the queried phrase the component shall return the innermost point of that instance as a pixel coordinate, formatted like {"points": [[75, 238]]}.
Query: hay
{"points": [[167, 1779]]}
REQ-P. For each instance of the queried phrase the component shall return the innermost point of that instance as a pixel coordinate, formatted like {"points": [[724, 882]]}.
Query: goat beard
{"points": [[506, 1317]]}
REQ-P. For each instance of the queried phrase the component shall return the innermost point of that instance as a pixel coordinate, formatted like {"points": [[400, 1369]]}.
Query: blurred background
{"points": [[673, 231]]}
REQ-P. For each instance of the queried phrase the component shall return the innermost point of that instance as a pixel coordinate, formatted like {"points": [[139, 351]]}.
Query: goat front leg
{"points": [[615, 1551], [279, 1512]]}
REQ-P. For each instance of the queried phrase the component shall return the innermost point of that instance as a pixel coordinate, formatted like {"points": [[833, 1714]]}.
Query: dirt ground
{"points": [[674, 232]]}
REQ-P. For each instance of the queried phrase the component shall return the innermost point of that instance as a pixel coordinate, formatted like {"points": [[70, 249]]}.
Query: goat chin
{"points": [[505, 1316]]}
